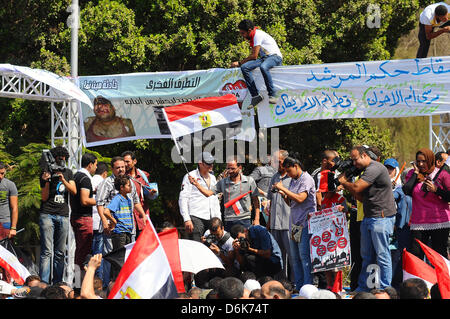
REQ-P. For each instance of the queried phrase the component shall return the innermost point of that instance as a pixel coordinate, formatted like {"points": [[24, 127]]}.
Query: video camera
{"points": [[347, 167], [49, 164]]}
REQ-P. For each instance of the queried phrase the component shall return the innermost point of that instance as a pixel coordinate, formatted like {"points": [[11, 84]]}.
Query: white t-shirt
{"points": [[267, 43], [427, 16]]}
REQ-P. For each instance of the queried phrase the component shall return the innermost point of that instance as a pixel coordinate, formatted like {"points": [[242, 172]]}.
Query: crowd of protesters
{"points": [[256, 224]]}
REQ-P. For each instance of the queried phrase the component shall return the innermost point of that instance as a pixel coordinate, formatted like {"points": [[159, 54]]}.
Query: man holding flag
{"points": [[196, 209], [239, 194]]}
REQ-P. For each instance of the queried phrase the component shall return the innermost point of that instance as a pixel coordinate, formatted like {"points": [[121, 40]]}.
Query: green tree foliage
{"points": [[125, 36]]}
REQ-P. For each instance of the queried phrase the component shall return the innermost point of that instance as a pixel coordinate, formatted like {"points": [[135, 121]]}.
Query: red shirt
{"points": [[139, 221]]}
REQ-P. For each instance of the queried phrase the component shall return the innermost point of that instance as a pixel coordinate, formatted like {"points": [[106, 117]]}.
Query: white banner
{"points": [[374, 89]]}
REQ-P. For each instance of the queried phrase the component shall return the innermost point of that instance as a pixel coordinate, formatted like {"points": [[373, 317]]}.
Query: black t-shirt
{"points": [[58, 197], [82, 181]]}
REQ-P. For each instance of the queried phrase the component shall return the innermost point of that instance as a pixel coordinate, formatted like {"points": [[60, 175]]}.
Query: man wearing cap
{"points": [[106, 124], [401, 233], [392, 167], [196, 208]]}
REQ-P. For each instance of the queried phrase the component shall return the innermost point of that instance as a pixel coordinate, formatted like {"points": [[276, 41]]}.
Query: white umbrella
{"points": [[195, 256]]}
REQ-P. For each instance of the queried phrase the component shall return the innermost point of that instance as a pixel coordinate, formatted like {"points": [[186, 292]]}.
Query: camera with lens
{"points": [[49, 164], [243, 243], [345, 166], [210, 239]]}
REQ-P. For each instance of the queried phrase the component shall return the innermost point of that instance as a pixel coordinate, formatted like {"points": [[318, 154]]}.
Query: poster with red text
{"points": [[330, 242]]}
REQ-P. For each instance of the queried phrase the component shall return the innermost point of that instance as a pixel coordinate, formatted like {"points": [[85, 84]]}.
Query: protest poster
{"points": [[133, 103], [365, 89], [330, 241]]}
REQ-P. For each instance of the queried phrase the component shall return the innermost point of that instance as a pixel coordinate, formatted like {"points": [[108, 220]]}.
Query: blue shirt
{"points": [[122, 212], [260, 238], [404, 208]]}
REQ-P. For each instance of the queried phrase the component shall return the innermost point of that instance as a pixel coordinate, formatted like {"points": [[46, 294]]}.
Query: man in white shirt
{"points": [[433, 16], [265, 54], [195, 208]]}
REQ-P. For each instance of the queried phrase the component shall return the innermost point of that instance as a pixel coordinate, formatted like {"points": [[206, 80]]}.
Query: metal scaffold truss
{"points": [[440, 133], [64, 110]]}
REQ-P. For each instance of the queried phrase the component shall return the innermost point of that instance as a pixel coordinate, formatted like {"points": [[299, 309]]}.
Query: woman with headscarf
{"points": [[429, 188]]}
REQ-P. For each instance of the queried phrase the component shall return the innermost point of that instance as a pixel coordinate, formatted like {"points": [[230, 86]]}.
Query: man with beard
{"points": [[140, 180], [238, 189], [279, 211], [265, 54], [106, 125], [105, 193]]}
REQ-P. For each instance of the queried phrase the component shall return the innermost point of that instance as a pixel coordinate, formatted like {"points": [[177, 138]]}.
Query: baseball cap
{"points": [[207, 158], [392, 162]]}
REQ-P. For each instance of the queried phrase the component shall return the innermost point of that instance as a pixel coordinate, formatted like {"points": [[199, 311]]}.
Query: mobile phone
{"points": [[412, 162]]}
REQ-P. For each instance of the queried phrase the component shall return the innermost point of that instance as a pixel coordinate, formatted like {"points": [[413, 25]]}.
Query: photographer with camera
{"points": [[220, 243], [256, 250], [429, 188], [56, 183], [374, 189], [301, 197]]}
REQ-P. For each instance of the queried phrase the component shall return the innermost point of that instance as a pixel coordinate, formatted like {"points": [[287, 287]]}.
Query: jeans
{"points": [[97, 248], [375, 234], [53, 231], [107, 248], [265, 64], [301, 259]]}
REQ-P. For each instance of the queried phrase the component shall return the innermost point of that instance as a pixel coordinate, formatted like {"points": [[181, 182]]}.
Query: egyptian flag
{"points": [[235, 204], [146, 273], [12, 265], [414, 267], [169, 240], [197, 115], [442, 268]]}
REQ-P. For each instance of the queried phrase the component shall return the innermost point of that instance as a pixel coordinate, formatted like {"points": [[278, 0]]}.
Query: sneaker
{"points": [[255, 101], [273, 99]]}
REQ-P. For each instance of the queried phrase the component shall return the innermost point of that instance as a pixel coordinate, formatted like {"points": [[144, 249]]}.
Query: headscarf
{"points": [[429, 159]]}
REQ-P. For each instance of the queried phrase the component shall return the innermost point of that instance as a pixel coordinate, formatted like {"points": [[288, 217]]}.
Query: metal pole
{"points": [[73, 273]]}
